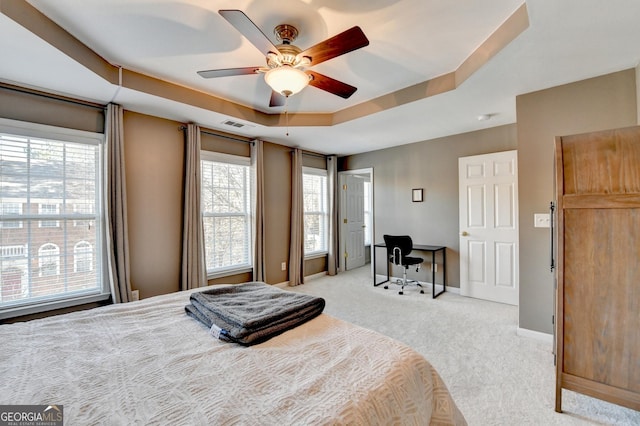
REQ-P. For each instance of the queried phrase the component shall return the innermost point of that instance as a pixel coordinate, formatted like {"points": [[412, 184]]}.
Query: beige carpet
{"points": [[495, 376]]}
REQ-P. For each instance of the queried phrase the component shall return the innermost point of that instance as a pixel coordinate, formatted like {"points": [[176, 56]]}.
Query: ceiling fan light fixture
{"points": [[286, 80]]}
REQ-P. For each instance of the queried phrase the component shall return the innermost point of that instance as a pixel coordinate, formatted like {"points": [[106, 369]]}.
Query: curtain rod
{"points": [[219, 135], [314, 154], [311, 154], [49, 96]]}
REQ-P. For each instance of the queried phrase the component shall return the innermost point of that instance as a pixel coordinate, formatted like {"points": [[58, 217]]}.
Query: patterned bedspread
{"points": [[147, 362]]}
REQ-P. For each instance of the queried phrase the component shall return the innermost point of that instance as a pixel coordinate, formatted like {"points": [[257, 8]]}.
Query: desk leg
{"points": [[444, 269], [373, 259], [433, 274], [444, 273]]}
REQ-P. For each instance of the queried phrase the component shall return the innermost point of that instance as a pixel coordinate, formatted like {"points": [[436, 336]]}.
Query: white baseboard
{"points": [[537, 335], [307, 278], [314, 276]]}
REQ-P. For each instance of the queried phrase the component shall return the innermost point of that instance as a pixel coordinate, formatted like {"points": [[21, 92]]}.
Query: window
{"points": [[84, 211], [83, 257], [9, 210], [12, 284], [226, 211], [316, 216], [47, 261], [12, 276], [49, 210]]}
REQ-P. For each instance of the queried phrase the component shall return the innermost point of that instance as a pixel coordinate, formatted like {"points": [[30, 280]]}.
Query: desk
{"points": [[418, 247]]}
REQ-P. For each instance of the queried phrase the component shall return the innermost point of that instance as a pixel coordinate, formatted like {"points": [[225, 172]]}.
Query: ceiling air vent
{"points": [[233, 123]]}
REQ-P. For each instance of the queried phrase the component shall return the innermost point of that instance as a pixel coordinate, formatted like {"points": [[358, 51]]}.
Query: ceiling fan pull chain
{"points": [[286, 114], [286, 118]]}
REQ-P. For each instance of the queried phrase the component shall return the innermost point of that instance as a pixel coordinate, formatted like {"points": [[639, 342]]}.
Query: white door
{"points": [[489, 226], [354, 225]]}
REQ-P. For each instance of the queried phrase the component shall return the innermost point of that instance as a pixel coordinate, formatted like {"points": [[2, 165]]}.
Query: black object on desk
{"points": [[419, 247]]}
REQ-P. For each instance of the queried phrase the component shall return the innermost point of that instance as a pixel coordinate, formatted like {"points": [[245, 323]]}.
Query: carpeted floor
{"points": [[495, 376]]}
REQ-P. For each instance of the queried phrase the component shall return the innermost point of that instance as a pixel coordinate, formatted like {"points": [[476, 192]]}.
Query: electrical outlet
{"points": [[135, 295], [284, 266]]}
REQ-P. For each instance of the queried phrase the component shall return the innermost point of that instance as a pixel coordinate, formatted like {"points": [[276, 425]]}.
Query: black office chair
{"points": [[398, 249]]}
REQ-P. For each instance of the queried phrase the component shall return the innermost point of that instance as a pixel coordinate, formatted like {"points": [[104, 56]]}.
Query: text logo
{"points": [[31, 415]]}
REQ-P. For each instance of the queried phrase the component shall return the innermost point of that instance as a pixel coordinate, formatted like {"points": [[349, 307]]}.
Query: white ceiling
{"points": [[411, 41]]}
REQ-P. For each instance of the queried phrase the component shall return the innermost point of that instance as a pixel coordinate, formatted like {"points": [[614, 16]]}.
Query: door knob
{"points": [[464, 234]]}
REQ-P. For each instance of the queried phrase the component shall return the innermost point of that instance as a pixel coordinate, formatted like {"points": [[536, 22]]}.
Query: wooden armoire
{"points": [[598, 281]]}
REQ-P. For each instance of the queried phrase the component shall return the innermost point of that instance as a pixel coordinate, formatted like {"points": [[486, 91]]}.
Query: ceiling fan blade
{"points": [[340, 44], [331, 85], [228, 72], [277, 100], [247, 28]]}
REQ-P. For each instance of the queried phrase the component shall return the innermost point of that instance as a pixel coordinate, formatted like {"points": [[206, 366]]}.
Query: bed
{"points": [[147, 362]]}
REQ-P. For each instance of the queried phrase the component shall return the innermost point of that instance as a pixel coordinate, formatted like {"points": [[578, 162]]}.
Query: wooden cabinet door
{"points": [[598, 318]]}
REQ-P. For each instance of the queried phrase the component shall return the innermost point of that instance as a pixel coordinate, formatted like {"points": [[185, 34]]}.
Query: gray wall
{"points": [[433, 166], [600, 103]]}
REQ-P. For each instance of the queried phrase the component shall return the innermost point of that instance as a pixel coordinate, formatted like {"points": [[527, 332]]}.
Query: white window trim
{"points": [[314, 171], [35, 305], [318, 172], [227, 272], [315, 255], [239, 160], [220, 157]]}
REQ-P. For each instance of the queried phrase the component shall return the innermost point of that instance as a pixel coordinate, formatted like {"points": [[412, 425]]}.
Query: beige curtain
{"points": [[193, 257], [296, 246], [332, 180], [257, 167], [116, 207]]}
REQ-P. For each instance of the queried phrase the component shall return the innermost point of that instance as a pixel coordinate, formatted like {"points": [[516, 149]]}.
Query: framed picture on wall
{"points": [[416, 195]]}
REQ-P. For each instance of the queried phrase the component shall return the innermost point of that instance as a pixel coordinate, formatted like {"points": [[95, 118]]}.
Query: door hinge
{"points": [[344, 186], [344, 220], [346, 254], [553, 320]]}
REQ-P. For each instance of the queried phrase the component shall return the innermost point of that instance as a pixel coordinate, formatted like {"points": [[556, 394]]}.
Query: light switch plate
{"points": [[541, 220]]}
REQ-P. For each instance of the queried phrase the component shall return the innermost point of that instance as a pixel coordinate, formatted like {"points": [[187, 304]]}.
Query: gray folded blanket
{"points": [[252, 312]]}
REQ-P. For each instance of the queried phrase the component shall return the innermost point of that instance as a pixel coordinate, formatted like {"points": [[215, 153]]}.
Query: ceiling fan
{"points": [[286, 66]]}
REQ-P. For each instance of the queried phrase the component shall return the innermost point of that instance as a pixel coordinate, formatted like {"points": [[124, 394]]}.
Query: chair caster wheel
{"points": [[386, 287], [421, 291], [400, 292]]}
